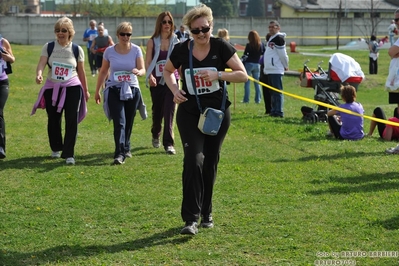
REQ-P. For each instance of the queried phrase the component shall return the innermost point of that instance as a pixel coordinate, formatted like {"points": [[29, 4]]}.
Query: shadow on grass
{"points": [[389, 224], [331, 157], [361, 183], [46, 163], [65, 253]]}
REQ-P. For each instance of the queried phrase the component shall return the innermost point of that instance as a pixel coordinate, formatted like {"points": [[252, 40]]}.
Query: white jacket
{"points": [[275, 58]]}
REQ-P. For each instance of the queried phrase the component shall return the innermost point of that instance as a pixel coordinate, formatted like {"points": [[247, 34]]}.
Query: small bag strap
{"points": [[190, 58]]}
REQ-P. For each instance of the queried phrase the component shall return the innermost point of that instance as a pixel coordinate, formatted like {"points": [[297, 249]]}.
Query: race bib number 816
{"points": [[202, 86]]}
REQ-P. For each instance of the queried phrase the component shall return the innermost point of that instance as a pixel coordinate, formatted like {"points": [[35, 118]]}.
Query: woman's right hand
{"points": [[152, 81]]}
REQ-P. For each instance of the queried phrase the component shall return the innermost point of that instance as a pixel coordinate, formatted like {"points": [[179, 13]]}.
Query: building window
{"points": [[358, 15], [269, 8], [375, 14], [341, 15]]}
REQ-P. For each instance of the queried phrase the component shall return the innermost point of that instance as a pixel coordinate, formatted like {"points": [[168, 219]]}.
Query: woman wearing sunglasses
{"points": [[201, 152], [159, 48], [122, 97], [6, 58], [65, 89]]}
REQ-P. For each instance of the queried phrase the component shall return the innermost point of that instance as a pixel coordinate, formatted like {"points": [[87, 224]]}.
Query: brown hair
{"points": [[158, 24], [254, 39], [124, 27], [66, 23], [348, 93], [224, 34]]}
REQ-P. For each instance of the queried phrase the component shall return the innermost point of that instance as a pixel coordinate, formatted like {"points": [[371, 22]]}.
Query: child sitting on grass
{"points": [[343, 125]]}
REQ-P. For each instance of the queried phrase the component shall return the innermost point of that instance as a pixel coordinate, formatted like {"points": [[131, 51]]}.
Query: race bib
{"points": [[202, 86], [159, 68], [121, 76], [61, 71], [92, 36]]}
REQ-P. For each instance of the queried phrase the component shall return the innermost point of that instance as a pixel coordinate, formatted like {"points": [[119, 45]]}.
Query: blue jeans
{"points": [[122, 113], [276, 81], [252, 69], [391, 39]]}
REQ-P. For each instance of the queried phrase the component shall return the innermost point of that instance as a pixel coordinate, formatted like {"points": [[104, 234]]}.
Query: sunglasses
{"points": [[197, 31], [396, 19], [123, 34], [167, 21], [62, 30]]}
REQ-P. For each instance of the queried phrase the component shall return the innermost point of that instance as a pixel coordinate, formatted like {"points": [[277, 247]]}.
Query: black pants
{"points": [[201, 158], [267, 97], [71, 109], [373, 66], [92, 61], [164, 108], [4, 88], [335, 126]]}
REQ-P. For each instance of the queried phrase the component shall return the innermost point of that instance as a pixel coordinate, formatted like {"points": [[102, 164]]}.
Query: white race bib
{"points": [[92, 36], [61, 71], [121, 76], [159, 68], [202, 86]]}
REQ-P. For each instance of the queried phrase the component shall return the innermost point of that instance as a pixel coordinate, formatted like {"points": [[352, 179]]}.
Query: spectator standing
{"points": [[201, 152], [122, 96], [391, 31], [65, 89], [275, 63], [6, 56], [267, 96], [224, 34], [373, 55], [182, 34], [159, 48], [88, 36], [343, 125], [253, 50]]}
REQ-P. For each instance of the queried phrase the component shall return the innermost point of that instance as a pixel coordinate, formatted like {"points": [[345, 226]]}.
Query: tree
{"points": [[221, 8], [6, 5], [256, 8]]}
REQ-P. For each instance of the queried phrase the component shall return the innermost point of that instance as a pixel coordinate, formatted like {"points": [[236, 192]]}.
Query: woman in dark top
{"points": [[201, 152], [253, 50]]}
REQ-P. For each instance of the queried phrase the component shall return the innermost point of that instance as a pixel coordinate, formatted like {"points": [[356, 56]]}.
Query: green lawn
{"points": [[285, 193]]}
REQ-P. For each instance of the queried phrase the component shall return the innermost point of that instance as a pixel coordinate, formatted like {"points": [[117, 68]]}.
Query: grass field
{"points": [[285, 193]]}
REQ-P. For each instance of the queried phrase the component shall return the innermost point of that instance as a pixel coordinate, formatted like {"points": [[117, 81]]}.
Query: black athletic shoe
{"points": [[207, 221]]}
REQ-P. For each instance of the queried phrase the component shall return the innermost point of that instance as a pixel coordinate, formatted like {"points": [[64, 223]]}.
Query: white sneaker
{"points": [[70, 161], [55, 154], [170, 150], [394, 150]]}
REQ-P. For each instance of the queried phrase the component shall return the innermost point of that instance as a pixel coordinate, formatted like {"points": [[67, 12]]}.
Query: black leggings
{"points": [[379, 113]]}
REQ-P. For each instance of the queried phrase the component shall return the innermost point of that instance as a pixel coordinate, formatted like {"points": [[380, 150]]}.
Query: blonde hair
{"points": [[123, 27], [66, 23], [224, 34], [199, 11]]}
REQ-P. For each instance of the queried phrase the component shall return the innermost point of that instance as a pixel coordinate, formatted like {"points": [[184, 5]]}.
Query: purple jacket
{"points": [[56, 86]]}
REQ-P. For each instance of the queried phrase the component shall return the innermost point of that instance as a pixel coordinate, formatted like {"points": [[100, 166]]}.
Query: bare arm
{"points": [[148, 58], [93, 45], [8, 56], [101, 79], [83, 80], [170, 79], [39, 69], [110, 41], [140, 67]]}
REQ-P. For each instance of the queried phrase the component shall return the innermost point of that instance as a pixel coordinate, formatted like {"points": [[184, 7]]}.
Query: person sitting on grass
{"points": [[387, 132], [343, 125]]}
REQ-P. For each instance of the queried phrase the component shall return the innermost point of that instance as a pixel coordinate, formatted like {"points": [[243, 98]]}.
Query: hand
{"points": [[136, 72], [179, 96], [87, 95], [97, 97], [208, 75], [39, 79], [152, 81]]}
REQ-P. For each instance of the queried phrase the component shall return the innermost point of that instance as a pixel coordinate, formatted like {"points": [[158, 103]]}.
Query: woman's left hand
{"points": [[208, 75], [136, 72], [87, 95]]}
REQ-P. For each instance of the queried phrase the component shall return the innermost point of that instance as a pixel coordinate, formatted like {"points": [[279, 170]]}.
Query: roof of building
{"points": [[333, 5]]}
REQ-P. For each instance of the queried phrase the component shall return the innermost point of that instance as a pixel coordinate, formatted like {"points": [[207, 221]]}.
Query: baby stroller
{"points": [[343, 70]]}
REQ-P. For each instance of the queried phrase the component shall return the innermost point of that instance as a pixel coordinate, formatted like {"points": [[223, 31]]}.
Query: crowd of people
{"points": [[180, 69]]}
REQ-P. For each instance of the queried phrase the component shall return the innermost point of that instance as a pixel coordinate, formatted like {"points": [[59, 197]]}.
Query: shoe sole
{"points": [[207, 225]]}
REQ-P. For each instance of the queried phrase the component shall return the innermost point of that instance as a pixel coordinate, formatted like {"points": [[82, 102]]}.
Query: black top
{"points": [[219, 53], [253, 54]]}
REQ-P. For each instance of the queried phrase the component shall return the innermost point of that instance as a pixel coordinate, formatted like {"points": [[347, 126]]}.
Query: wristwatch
{"points": [[219, 74]]}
